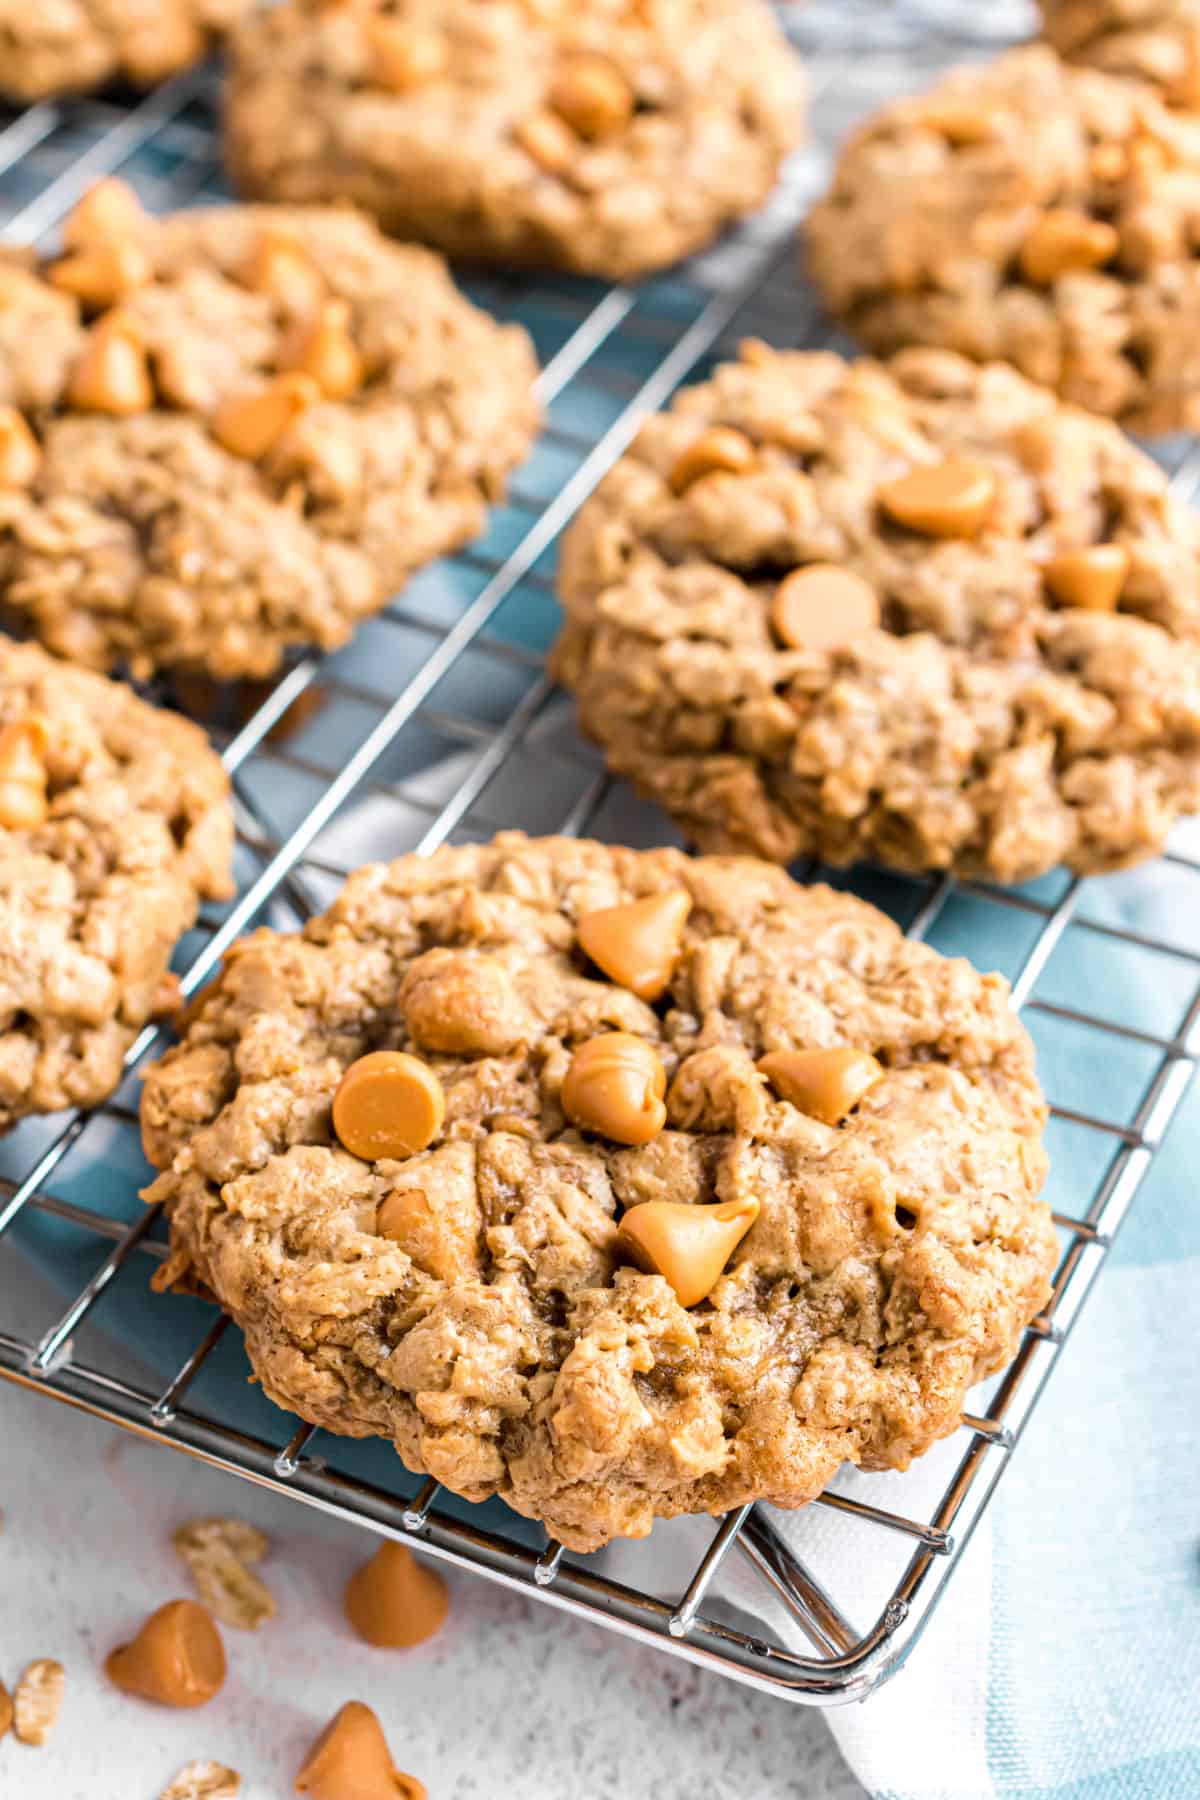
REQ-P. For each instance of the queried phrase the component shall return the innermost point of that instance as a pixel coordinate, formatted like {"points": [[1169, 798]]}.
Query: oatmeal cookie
{"points": [[607, 136], [71, 46], [618, 1184], [918, 611], [114, 823], [1156, 40], [232, 431], [1033, 211]]}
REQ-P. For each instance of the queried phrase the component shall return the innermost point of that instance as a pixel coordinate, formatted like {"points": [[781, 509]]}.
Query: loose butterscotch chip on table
{"points": [[393, 1601], [351, 1761], [558, 1299], [688, 1245], [203, 1781], [388, 1105], [37, 1700], [176, 1659]]}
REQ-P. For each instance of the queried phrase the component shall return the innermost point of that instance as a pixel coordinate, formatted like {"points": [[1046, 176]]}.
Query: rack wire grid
{"points": [[437, 724]]}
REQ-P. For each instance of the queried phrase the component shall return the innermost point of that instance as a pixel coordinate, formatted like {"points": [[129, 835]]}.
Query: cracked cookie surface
{"points": [[607, 136], [470, 1303], [73, 46], [1032, 211], [133, 827], [973, 718], [251, 425]]}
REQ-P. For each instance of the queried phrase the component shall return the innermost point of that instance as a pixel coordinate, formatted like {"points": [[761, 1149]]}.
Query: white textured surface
{"points": [[510, 1702]]}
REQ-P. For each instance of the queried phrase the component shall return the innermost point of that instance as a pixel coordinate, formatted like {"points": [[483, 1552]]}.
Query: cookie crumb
{"points": [[37, 1699], [203, 1781], [217, 1552]]}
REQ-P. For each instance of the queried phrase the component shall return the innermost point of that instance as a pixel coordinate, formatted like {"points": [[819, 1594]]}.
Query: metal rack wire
{"points": [[438, 725]]}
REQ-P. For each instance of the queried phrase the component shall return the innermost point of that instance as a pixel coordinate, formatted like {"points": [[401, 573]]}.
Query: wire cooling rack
{"points": [[436, 725]]}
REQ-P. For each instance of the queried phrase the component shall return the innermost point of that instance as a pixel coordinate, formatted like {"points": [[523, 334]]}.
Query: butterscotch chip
{"points": [[946, 499], [548, 139], [20, 453], [113, 372], [109, 213], [1063, 242], [962, 124], [393, 1601], [203, 1781], [23, 774], [717, 451], [176, 1659], [251, 425], [1064, 246], [388, 1105], [437, 121], [323, 348], [37, 1699], [6, 1709], [403, 56], [828, 1084], [615, 1086], [218, 1552], [278, 265], [45, 52], [1091, 577], [102, 273], [351, 1761], [688, 1245], [475, 1305], [592, 96], [822, 607], [637, 943]]}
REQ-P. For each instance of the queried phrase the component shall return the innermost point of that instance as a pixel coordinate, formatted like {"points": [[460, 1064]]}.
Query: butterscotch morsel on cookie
{"points": [[20, 454], [278, 265], [462, 1003], [592, 96], [351, 1761], [23, 776], [949, 499], [826, 1084], [637, 943], [402, 55], [1091, 578], [113, 372], [717, 451], [822, 607], [615, 1086], [102, 273], [688, 1245], [108, 213], [323, 348], [548, 139], [176, 1659], [388, 1105], [251, 425], [393, 1601], [1062, 242]]}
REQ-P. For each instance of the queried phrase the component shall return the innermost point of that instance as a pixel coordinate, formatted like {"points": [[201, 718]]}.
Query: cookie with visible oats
{"points": [[607, 136], [73, 46], [728, 1181], [233, 431], [115, 822], [1155, 40], [1033, 211], [917, 611]]}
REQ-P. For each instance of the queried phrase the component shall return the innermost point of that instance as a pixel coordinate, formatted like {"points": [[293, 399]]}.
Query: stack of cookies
{"points": [[618, 1184]]}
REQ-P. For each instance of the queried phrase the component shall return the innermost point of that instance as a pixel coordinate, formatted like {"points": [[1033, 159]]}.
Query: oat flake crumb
{"points": [[203, 1781], [218, 1552], [37, 1699]]}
